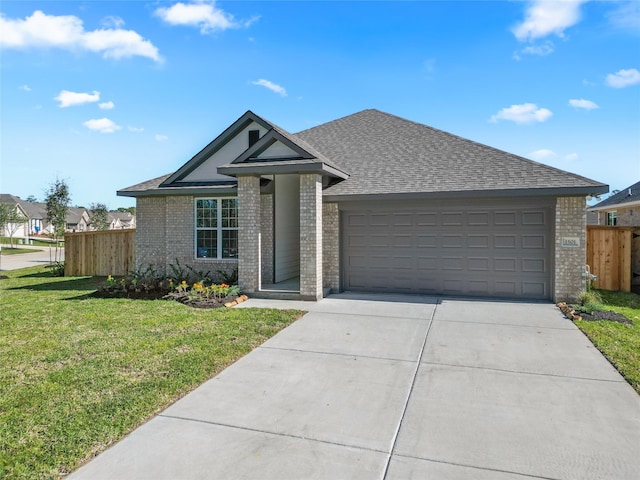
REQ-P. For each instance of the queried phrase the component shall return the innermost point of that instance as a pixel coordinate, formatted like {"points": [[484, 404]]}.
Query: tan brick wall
{"points": [[331, 246], [150, 233], [166, 236], [266, 244], [571, 221], [249, 233], [627, 217], [311, 235]]}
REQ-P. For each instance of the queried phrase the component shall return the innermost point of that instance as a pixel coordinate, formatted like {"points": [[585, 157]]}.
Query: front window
{"points": [[612, 218], [217, 228]]}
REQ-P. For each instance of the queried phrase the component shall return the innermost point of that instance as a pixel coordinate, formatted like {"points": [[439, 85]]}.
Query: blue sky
{"points": [[107, 94]]}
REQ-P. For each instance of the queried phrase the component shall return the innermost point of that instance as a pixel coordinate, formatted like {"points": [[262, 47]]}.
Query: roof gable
{"points": [[222, 150]]}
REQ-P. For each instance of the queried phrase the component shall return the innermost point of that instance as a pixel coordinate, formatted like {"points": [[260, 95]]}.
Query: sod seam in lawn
{"points": [[79, 372]]}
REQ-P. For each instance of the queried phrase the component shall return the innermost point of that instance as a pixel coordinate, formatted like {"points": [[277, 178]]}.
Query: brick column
{"points": [[571, 224], [331, 246], [311, 236], [249, 233]]}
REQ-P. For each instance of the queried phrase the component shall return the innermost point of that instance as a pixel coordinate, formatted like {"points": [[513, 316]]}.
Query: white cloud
{"points": [[524, 113], [161, 138], [68, 99], [135, 129], [106, 105], [271, 86], [67, 32], [539, 50], [201, 14], [623, 78], [626, 16], [25, 88], [112, 22], [582, 103], [543, 154], [102, 125], [570, 157], [545, 18]]}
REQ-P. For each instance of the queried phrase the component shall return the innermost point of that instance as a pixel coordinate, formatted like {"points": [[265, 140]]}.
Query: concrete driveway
{"points": [[399, 387]]}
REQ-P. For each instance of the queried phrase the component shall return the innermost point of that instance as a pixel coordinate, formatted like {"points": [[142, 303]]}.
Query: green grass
{"points": [[619, 343], [6, 241], [77, 373], [17, 251]]}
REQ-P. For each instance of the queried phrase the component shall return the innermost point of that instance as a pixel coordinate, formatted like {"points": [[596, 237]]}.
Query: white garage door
{"points": [[476, 248]]}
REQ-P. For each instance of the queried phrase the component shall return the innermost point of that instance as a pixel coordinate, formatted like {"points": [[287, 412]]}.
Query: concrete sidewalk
{"points": [[397, 387]]}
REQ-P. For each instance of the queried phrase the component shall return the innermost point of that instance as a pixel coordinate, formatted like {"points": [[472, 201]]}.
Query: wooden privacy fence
{"points": [[611, 255], [110, 252]]}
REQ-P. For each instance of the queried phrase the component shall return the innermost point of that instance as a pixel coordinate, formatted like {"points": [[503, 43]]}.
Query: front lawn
{"points": [[618, 342], [78, 372], [17, 251]]}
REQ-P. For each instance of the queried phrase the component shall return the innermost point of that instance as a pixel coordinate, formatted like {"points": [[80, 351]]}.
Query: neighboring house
{"points": [[121, 220], [369, 202], [621, 209], [15, 230], [77, 220], [37, 214]]}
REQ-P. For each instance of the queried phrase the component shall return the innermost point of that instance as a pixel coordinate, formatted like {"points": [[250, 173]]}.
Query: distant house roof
{"points": [[626, 196], [372, 153]]}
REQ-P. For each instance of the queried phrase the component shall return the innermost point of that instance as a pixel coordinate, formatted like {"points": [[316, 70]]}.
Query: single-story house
{"points": [[369, 202], [121, 220], [621, 209], [14, 229]]}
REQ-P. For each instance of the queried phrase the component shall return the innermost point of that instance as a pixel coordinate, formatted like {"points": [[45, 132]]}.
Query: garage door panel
{"points": [[533, 241], [478, 241], [533, 218], [503, 252], [505, 241], [452, 241]]}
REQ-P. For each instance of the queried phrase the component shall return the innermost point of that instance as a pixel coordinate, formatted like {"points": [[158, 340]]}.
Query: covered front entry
{"points": [[476, 247]]}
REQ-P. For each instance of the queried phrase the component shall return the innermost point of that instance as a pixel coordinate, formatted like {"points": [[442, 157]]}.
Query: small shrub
{"points": [[57, 269], [230, 278], [589, 297]]}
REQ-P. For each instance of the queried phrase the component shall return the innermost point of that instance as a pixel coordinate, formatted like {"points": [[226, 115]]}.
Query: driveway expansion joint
{"points": [[570, 327], [475, 467], [337, 354], [539, 374], [413, 383], [277, 434]]}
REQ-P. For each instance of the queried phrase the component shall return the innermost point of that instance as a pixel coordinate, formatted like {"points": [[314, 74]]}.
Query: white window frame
{"points": [[218, 229], [612, 218]]}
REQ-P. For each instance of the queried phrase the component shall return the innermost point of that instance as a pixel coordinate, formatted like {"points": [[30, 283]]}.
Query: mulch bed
{"points": [[604, 315], [195, 302], [594, 316]]}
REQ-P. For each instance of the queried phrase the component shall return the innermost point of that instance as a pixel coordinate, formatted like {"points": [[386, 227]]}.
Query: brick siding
{"points": [[311, 236], [331, 246], [249, 233], [571, 221], [266, 221]]}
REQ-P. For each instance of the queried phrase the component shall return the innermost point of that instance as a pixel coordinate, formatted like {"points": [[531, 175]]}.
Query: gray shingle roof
{"points": [[386, 154], [626, 195]]}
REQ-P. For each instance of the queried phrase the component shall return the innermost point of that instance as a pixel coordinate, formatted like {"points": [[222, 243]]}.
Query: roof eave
{"points": [[614, 206], [233, 170], [186, 190], [524, 192]]}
